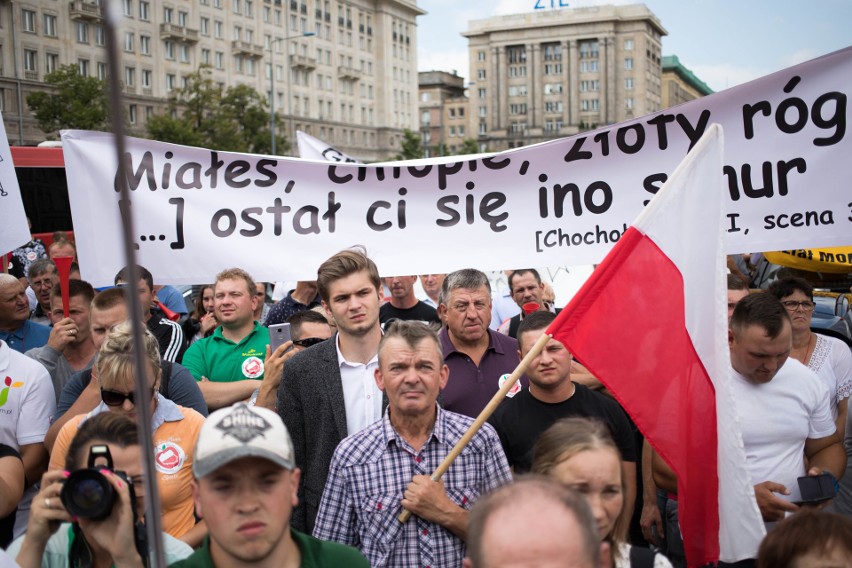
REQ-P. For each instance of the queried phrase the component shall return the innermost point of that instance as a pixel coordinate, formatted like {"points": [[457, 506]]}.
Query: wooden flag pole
{"points": [[484, 415]]}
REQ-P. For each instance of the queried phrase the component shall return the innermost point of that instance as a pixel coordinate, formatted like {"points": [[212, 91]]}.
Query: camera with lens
{"points": [[88, 494]]}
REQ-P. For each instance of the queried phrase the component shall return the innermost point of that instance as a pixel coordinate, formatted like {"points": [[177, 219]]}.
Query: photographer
{"points": [[55, 538], [174, 428]]}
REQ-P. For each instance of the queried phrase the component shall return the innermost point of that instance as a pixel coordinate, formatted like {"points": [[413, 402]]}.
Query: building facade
{"points": [[680, 85], [443, 113], [345, 72], [549, 74]]}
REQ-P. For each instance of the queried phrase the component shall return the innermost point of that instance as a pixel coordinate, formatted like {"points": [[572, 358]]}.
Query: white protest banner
{"points": [[311, 148], [564, 202], [14, 230]]}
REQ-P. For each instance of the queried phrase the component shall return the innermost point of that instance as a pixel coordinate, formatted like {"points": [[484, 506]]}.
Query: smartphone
{"points": [[279, 333], [816, 489]]}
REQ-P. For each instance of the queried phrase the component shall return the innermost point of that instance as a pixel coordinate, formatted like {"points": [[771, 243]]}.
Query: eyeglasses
{"points": [[116, 398], [308, 341], [792, 305]]}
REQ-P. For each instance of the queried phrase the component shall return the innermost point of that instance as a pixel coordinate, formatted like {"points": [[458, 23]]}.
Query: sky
{"points": [[723, 42]]}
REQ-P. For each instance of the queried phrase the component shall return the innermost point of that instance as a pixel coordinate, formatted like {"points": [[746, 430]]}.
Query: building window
{"points": [[480, 74], [629, 102], [481, 93], [552, 51], [552, 88], [205, 56], [220, 60], [168, 14], [82, 32], [146, 78], [553, 69], [128, 41], [50, 25], [131, 114], [589, 104], [516, 54], [628, 83], [217, 29], [184, 53], [83, 66], [129, 76], [518, 108], [170, 81], [144, 10], [169, 48], [145, 45], [100, 35], [553, 106], [28, 20], [128, 8], [204, 26], [101, 70], [51, 62], [30, 60], [628, 63], [628, 45], [483, 111], [183, 18], [589, 49], [480, 55]]}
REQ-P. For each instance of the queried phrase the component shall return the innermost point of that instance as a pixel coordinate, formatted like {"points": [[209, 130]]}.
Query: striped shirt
{"points": [[369, 473]]}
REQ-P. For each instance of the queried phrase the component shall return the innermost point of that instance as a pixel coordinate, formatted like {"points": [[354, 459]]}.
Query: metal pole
{"points": [[272, 92], [153, 512]]}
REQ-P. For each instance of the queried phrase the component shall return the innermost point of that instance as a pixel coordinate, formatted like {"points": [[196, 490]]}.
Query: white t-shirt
{"points": [[777, 418], [27, 402], [832, 362]]}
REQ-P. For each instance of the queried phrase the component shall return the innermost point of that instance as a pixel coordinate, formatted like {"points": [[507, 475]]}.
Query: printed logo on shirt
{"points": [[169, 458], [252, 367], [10, 384], [516, 388]]}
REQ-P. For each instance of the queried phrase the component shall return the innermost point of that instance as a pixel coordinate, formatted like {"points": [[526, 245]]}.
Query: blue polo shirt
{"points": [[26, 337]]}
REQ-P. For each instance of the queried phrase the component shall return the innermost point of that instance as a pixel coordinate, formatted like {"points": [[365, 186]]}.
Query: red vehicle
{"points": [[44, 189]]}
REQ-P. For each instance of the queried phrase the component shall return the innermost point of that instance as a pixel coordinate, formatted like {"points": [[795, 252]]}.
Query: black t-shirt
{"points": [[419, 312], [520, 420], [7, 523]]}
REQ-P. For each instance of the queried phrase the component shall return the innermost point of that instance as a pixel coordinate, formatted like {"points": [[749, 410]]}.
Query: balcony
{"points": [[247, 49], [349, 73], [31, 75], [88, 11], [178, 33], [303, 62]]}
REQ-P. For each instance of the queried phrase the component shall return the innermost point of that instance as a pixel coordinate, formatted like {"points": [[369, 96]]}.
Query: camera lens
{"points": [[88, 494]]}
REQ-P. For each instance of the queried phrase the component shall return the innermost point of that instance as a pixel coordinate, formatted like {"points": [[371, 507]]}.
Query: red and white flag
{"points": [[651, 324]]}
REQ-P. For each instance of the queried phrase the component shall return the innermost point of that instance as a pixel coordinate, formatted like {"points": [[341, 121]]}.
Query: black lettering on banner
{"points": [[732, 217], [234, 170], [256, 225], [576, 152], [653, 183], [213, 171], [660, 121], [231, 226], [694, 133], [277, 210], [194, 169], [371, 216], [178, 243], [782, 169], [579, 198], [639, 138], [332, 175], [849, 205], [264, 167], [806, 219], [134, 178], [167, 170], [791, 115]]}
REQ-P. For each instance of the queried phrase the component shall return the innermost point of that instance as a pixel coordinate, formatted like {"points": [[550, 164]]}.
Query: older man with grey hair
{"points": [[16, 329], [42, 277], [478, 357]]}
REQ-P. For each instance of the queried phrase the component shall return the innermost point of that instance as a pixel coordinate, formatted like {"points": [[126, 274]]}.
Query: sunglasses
{"points": [[308, 341], [116, 398]]}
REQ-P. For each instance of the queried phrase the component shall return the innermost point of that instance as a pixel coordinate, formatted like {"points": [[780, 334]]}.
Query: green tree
{"points": [[469, 146], [412, 146], [204, 114], [75, 102]]}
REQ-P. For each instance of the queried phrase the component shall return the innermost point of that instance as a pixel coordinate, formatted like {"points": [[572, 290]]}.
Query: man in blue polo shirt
{"points": [[16, 329], [230, 363]]}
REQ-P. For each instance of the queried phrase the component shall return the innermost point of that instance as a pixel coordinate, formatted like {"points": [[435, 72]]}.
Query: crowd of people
{"points": [[313, 452]]}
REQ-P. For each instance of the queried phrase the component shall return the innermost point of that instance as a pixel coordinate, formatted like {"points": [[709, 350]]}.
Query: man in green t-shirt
{"points": [[245, 489], [230, 363]]}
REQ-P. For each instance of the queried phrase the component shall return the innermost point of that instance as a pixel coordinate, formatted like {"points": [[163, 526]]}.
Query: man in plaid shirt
{"points": [[385, 468]]}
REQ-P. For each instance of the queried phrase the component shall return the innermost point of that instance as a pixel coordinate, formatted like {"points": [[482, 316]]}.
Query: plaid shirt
{"points": [[369, 473]]}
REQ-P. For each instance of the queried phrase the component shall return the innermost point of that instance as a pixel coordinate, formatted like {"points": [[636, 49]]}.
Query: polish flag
{"points": [[651, 324]]}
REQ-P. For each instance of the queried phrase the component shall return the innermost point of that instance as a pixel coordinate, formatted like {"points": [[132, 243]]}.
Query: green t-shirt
{"points": [[221, 360], [315, 554]]}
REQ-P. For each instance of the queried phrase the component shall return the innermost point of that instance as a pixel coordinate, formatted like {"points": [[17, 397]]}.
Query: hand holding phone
{"points": [[279, 334]]}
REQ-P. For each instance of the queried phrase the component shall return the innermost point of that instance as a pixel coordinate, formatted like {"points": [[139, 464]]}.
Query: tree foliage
{"points": [[76, 102], [469, 146], [204, 114], [412, 146]]}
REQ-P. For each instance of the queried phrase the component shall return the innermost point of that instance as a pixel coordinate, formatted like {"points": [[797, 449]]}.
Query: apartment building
{"points": [[553, 73], [345, 72], [680, 85], [443, 112]]}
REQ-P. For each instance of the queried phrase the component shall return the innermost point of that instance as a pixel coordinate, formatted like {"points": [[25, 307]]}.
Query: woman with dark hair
{"points": [[826, 356], [202, 321], [808, 538], [581, 455], [56, 539]]}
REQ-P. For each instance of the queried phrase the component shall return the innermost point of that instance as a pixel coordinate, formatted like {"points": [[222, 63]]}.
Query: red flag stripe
{"points": [[630, 315]]}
